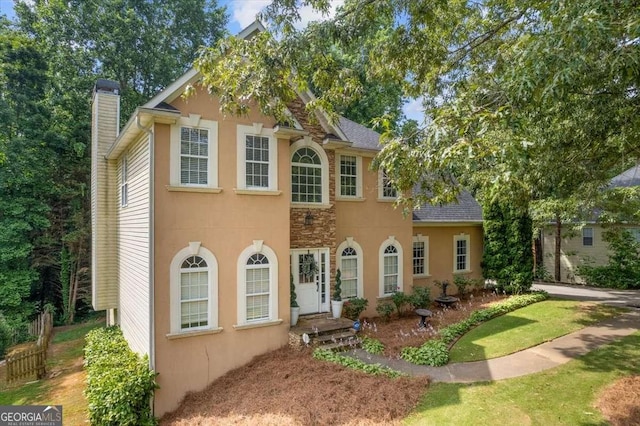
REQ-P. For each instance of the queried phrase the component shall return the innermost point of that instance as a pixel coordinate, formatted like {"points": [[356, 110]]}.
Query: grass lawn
{"points": [[66, 379], [564, 395], [528, 327]]}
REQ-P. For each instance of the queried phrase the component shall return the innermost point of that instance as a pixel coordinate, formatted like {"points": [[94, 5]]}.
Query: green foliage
{"points": [[463, 283], [508, 256], [5, 336], [354, 307], [65, 282], [435, 352], [400, 301], [373, 346], [355, 364], [337, 290], [623, 268], [420, 298], [293, 302], [384, 309], [120, 383]]}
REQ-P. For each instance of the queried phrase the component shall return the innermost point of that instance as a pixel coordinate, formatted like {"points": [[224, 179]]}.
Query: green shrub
{"points": [[354, 307], [400, 301], [5, 336], [623, 269], [421, 297], [373, 346], [120, 383], [355, 364], [384, 309], [435, 352], [464, 284]]}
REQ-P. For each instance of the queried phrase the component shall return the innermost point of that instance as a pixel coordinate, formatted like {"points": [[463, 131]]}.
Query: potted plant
{"points": [[295, 308], [336, 300]]}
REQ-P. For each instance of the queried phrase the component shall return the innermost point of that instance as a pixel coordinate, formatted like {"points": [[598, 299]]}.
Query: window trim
{"points": [[381, 181], [194, 248], [391, 241], [307, 142], [425, 240], [339, 194], [258, 247], [467, 239], [584, 237], [193, 121], [124, 180], [350, 243], [256, 129]]}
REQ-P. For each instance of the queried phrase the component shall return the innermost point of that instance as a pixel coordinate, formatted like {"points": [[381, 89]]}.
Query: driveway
{"points": [[628, 298]]}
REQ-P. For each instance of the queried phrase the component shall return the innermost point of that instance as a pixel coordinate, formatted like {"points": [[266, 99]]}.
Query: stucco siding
{"points": [[104, 128], [134, 246]]}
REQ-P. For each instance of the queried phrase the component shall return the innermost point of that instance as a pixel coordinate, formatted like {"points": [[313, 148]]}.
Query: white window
{"points": [[461, 261], [350, 176], [587, 236], [420, 255], [309, 173], [257, 285], [385, 188], [257, 158], [124, 184], [194, 153], [194, 290], [349, 260], [390, 267]]}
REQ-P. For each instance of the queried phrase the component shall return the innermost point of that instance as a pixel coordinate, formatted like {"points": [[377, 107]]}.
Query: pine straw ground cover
{"points": [[620, 402], [288, 387]]}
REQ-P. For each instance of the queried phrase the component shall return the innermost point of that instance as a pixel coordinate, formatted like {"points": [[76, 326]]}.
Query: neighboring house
{"points": [[199, 220], [586, 244]]}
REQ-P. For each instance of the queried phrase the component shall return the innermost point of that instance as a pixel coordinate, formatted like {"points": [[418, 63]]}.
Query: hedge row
{"points": [[355, 364], [435, 352], [120, 383]]}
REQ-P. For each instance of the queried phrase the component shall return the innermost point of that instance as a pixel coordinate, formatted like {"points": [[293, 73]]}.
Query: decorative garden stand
{"points": [[424, 313], [443, 299]]}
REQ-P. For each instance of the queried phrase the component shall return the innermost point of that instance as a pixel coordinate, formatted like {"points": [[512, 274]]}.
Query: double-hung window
{"points": [[461, 261], [391, 264], [386, 189], [257, 281], [349, 179], [194, 154], [257, 168], [587, 236], [257, 286], [306, 176], [420, 255], [349, 271]]}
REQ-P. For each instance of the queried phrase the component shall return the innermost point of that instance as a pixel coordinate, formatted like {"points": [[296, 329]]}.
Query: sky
{"points": [[243, 12]]}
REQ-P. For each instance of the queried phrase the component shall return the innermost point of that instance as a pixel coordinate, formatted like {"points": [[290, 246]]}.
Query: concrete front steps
{"points": [[324, 332]]}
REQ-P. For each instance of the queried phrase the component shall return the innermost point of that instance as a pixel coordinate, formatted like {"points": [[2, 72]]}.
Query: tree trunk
{"points": [[557, 275]]}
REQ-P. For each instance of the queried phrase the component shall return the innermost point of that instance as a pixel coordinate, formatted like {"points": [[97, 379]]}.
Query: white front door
{"points": [[312, 290]]}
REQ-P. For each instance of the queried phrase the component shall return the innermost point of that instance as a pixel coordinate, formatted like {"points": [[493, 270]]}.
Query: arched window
{"points": [[306, 176], [349, 260], [194, 290], [257, 285], [390, 267]]}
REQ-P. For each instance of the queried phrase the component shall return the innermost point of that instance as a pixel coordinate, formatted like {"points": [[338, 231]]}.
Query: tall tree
{"points": [[144, 45]]}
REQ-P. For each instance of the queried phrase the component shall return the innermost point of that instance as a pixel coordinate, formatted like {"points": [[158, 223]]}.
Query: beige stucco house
{"points": [[199, 220], [584, 242]]}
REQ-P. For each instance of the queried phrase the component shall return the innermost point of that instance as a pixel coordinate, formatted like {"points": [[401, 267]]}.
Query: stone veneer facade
{"points": [[322, 233]]}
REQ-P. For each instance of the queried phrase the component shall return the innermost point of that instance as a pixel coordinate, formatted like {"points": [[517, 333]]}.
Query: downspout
{"points": [[152, 351]]}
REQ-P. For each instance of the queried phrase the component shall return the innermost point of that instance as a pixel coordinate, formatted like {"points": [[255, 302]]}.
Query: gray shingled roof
{"points": [[361, 136], [627, 178], [466, 209]]}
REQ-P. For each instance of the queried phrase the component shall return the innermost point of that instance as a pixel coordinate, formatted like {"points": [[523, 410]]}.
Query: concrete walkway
{"points": [[538, 358]]}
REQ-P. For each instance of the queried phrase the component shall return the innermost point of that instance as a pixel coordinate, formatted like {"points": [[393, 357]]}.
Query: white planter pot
{"points": [[295, 313], [336, 308]]}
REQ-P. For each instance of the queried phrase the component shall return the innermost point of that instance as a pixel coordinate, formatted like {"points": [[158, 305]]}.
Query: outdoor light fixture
{"points": [[308, 218]]}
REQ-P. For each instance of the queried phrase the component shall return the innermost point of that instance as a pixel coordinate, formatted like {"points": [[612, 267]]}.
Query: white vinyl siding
{"points": [[133, 248]]}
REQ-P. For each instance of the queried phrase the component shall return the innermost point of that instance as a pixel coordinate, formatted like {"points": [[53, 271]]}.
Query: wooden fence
{"points": [[32, 360]]}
